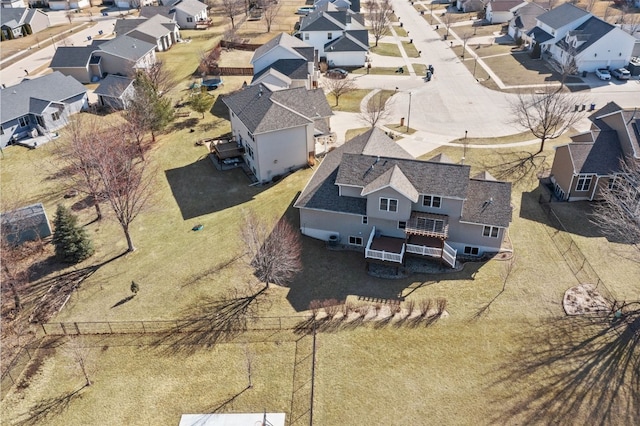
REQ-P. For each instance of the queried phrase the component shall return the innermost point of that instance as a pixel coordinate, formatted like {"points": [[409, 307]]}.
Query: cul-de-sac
{"points": [[320, 212]]}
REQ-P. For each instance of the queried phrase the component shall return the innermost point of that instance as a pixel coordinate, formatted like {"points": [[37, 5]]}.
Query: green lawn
{"points": [[410, 49]]}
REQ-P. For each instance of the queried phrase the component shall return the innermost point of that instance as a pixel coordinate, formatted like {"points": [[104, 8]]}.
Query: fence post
{"points": [[64, 330], [43, 328], [109, 324], [77, 328]]}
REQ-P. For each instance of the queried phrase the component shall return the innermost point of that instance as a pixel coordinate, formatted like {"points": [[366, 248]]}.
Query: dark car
{"points": [[337, 73]]}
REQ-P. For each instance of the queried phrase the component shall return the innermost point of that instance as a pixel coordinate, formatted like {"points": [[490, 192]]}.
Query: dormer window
{"points": [[329, 36]]}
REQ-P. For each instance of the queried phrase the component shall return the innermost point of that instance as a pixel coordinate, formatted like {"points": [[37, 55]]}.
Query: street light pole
{"points": [[464, 147], [409, 113]]}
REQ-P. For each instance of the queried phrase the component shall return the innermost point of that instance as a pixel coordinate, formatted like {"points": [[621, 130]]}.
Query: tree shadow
{"points": [[200, 189], [585, 367], [211, 322], [189, 123], [46, 409], [123, 301], [48, 295], [517, 167]]}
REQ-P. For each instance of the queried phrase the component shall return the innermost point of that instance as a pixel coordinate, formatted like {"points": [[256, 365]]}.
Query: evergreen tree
{"points": [[71, 241], [201, 102]]}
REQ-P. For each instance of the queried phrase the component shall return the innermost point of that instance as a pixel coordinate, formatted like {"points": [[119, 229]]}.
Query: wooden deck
{"points": [[423, 240], [387, 244]]}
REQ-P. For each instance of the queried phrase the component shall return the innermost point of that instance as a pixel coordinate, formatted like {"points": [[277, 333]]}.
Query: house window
{"points": [[490, 231], [55, 116], [365, 220], [23, 121], [388, 204], [584, 182], [189, 19], [329, 36], [402, 224], [471, 250], [355, 241], [432, 225], [1, 130], [306, 36], [431, 201]]}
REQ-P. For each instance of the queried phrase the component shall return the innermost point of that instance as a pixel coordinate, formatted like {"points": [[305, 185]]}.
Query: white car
{"points": [[621, 74], [603, 74], [305, 10]]}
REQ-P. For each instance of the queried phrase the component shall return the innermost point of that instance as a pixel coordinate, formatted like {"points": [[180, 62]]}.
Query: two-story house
{"points": [[159, 30], [20, 22], [501, 11], [579, 41], [339, 36], [189, 14], [592, 159], [284, 62], [278, 130], [524, 20], [371, 194], [39, 106], [122, 55]]}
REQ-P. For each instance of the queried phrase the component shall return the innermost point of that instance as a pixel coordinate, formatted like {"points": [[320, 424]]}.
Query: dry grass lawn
{"points": [[37, 40], [506, 352]]}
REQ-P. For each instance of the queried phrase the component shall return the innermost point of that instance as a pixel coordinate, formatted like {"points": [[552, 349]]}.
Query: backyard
{"points": [[504, 328]]}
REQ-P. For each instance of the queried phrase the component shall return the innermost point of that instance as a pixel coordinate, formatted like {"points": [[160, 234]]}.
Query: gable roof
{"points": [[297, 69], [72, 56], [317, 21], [13, 17], [346, 43], [525, 17], [190, 7], [395, 179], [602, 156], [151, 11], [322, 193], [113, 86], [588, 32], [37, 93], [263, 110], [127, 47], [123, 26], [283, 39], [504, 5], [562, 15]]}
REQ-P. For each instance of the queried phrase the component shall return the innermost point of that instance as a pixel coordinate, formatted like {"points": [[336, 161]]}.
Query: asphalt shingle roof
{"points": [[293, 68], [526, 16], [316, 21], [127, 47], [12, 17], [504, 5], [151, 11], [602, 156], [263, 110], [345, 43], [123, 26], [113, 86], [562, 15], [282, 39], [72, 56], [488, 202], [16, 101], [592, 30], [539, 35], [191, 7]]}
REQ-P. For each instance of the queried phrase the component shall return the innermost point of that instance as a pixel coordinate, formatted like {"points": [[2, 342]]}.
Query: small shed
{"points": [[231, 419], [25, 224]]}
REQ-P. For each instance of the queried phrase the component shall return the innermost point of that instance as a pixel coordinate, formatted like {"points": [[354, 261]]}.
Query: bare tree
{"points": [[448, 20], [548, 114], [126, 184], [339, 87], [377, 109], [80, 353], [270, 11], [379, 16], [465, 38], [147, 110], [589, 5], [273, 250], [79, 156], [159, 78], [231, 8], [619, 212]]}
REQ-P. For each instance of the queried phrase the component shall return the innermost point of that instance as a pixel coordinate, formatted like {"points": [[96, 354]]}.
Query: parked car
{"points": [[603, 74], [621, 74], [305, 10], [337, 73]]}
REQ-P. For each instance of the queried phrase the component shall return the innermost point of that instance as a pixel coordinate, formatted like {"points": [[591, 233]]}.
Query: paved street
{"points": [[453, 101]]}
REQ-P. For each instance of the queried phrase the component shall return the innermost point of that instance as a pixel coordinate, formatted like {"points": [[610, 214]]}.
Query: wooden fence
{"points": [[11, 376]]}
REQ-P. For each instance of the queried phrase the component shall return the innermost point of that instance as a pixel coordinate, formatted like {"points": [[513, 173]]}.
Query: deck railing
{"points": [[449, 254], [424, 250], [381, 254]]}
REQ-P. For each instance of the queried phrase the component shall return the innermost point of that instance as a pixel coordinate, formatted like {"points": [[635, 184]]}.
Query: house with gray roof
{"points": [[158, 30], [39, 106], [278, 130], [189, 14], [115, 91], [501, 11], [9, 4], [20, 22], [339, 36], [592, 160], [370, 194], [575, 40], [122, 55], [524, 20], [285, 62]]}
